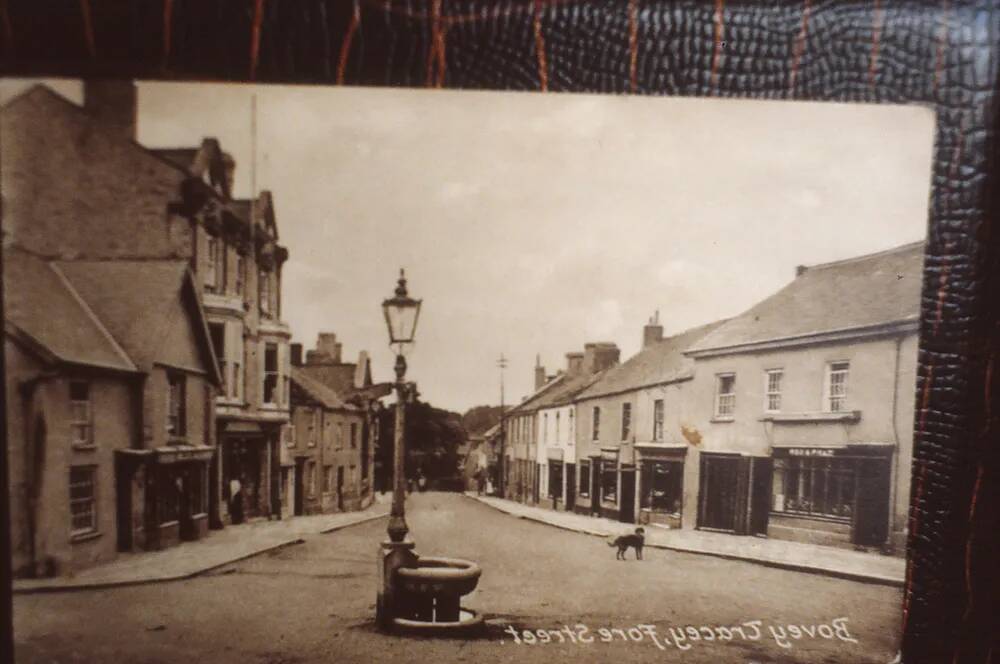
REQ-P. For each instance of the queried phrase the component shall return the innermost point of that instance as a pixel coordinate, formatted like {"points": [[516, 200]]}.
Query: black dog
{"points": [[623, 542]]}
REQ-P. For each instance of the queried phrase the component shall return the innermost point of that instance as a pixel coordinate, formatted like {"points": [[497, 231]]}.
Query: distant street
{"points": [[314, 602]]}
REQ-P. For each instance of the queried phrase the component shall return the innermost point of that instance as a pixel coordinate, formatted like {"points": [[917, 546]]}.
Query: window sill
{"points": [[177, 440], [84, 536], [722, 419], [84, 447]]}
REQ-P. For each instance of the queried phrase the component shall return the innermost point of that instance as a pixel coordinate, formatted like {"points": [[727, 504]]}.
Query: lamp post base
{"points": [[391, 556]]}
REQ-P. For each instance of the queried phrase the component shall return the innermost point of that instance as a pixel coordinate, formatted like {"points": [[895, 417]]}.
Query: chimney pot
{"points": [[799, 269], [653, 332]]}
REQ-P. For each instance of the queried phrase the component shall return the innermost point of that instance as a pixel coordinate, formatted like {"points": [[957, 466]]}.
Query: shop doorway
{"points": [[871, 521], [626, 513], [570, 487], [719, 491]]}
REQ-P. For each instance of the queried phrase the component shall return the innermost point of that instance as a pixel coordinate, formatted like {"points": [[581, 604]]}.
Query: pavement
{"points": [[218, 548], [869, 567]]}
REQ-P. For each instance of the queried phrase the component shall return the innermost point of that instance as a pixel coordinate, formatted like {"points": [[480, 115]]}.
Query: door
{"points": [[123, 508], [871, 521], [719, 491], [626, 513], [299, 487], [340, 488], [570, 487], [595, 487], [760, 497]]}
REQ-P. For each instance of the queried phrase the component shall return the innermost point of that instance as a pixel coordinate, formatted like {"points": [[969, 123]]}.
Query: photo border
{"points": [[937, 54]]}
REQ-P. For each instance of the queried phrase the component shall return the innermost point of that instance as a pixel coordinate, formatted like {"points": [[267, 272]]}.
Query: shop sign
{"points": [[811, 452]]}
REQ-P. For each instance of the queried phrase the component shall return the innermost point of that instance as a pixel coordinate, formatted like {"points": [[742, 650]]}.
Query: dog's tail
{"points": [[612, 541]]}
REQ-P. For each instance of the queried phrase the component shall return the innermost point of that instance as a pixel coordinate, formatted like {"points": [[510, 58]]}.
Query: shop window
{"points": [[270, 373], [168, 495], [196, 488], [626, 420], [83, 499], [80, 414], [584, 479], [662, 483], [725, 395], [772, 390], [814, 487], [609, 482], [555, 479], [836, 386], [176, 405]]}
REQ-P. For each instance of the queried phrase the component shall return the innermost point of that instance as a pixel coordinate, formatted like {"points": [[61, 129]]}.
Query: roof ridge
{"points": [[863, 257], [91, 313]]}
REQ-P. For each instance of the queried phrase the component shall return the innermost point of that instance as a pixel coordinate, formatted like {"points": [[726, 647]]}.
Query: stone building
{"points": [[805, 405], [77, 185], [555, 415], [334, 428], [631, 447], [109, 410]]}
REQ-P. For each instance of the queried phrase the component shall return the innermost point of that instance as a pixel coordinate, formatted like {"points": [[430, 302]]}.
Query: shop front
{"points": [[247, 469], [661, 483], [608, 498], [734, 493], [554, 480], [176, 495], [836, 495]]}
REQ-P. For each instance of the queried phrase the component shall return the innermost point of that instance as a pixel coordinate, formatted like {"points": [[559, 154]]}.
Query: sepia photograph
{"points": [[315, 374]]}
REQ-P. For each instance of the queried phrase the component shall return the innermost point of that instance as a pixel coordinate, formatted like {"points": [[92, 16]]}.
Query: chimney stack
{"points": [[574, 364], [539, 373], [296, 350], [113, 104], [653, 332], [799, 269], [599, 356]]}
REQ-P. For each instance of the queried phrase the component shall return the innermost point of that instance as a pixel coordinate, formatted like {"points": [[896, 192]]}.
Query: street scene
{"points": [[317, 596], [297, 374]]}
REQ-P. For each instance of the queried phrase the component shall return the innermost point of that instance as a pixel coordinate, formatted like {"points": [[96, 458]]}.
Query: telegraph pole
{"points": [[501, 465]]}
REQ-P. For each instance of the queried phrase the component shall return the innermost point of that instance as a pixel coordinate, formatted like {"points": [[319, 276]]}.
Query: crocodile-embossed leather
{"points": [[942, 54]]}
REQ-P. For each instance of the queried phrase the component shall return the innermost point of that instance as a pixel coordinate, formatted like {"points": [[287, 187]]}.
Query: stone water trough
{"points": [[428, 595]]}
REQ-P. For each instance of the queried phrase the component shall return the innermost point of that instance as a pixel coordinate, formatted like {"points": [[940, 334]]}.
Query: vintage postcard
{"points": [[303, 374]]}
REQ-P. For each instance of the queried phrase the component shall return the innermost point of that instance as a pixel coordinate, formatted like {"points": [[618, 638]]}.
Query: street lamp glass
{"points": [[401, 315]]}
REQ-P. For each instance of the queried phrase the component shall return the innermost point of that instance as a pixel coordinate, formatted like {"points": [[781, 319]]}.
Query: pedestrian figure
{"points": [[480, 482], [422, 482], [235, 500]]}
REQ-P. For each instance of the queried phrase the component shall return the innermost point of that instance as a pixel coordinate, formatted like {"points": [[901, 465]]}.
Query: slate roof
{"points": [[319, 392], [852, 294], [568, 389], [530, 403], [42, 304], [136, 300], [659, 363]]}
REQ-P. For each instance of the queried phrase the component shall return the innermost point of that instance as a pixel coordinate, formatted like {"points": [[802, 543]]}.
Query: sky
{"points": [[530, 224]]}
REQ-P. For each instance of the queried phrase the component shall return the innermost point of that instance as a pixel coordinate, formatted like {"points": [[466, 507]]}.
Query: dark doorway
{"points": [[760, 498], [871, 521], [570, 487], [123, 508], [299, 488], [719, 491], [340, 488], [595, 487], [626, 513]]}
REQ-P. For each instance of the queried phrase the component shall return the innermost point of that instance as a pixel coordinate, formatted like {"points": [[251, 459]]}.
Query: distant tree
{"points": [[433, 439], [479, 419]]}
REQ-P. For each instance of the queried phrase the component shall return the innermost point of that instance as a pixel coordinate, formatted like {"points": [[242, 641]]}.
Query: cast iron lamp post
{"points": [[401, 315]]}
